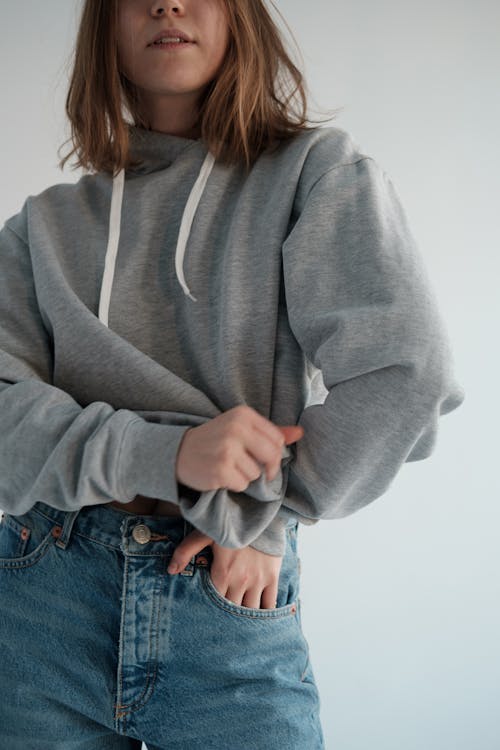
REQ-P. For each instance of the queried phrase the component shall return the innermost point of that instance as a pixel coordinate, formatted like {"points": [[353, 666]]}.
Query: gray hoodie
{"points": [[136, 307]]}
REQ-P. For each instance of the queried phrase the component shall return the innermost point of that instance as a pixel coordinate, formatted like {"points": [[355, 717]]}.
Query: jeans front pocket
{"points": [[24, 539], [239, 609], [288, 588]]}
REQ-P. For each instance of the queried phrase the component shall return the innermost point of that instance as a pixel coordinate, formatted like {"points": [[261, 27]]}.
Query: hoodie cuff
{"points": [[147, 463], [272, 540]]}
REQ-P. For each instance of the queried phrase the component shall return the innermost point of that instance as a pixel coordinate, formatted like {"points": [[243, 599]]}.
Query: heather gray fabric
{"points": [[313, 306]]}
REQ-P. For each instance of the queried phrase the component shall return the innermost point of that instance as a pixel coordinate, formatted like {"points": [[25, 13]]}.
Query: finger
{"points": [[193, 543], [235, 593], [251, 470], [264, 451], [220, 579], [265, 427], [292, 433], [269, 596], [248, 467], [254, 596]]}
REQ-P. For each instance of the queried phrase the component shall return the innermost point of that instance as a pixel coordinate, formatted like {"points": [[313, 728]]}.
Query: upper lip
{"points": [[170, 32]]}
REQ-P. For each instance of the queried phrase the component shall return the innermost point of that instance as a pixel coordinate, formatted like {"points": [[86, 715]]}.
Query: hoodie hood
{"points": [[157, 150]]}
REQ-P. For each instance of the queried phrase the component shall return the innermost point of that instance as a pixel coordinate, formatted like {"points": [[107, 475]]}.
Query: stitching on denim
{"points": [[304, 671], [271, 614], [12, 523], [139, 702], [151, 675], [117, 549], [99, 541], [78, 533], [121, 640], [41, 551]]}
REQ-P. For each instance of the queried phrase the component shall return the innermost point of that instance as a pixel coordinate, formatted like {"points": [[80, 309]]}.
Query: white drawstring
{"points": [[112, 249], [187, 220], [114, 233]]}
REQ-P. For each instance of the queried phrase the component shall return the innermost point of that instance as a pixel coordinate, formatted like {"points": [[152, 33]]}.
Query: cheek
{"points": [[219, 49], [216, 24]]}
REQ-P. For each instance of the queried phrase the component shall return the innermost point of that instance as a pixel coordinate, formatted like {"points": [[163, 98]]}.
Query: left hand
{"points": [[245, 576]]}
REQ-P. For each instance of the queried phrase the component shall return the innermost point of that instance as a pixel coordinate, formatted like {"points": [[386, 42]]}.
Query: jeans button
{"points": [[141, 533]]}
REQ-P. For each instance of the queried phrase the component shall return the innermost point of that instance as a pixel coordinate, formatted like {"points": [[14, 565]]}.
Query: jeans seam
{"points": [[151, 676], [42, 552], [97, 541]]}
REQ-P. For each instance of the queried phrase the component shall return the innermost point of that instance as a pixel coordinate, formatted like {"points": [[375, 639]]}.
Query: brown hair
{"points": [[243, 111]]}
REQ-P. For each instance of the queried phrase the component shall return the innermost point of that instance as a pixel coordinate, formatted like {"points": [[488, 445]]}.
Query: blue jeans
{"points": [[100, 647]]}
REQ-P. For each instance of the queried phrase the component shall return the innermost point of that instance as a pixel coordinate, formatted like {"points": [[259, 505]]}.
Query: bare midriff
{"points": [[148, 506]]}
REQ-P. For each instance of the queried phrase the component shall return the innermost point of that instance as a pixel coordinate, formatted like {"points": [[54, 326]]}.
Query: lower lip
{"points": [[172, 45]]}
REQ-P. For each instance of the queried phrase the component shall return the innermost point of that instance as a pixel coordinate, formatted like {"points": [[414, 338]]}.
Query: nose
{"points": [[158, 9]]}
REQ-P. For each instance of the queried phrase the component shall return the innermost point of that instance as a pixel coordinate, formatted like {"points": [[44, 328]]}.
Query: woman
{"points": [[163, 324]]}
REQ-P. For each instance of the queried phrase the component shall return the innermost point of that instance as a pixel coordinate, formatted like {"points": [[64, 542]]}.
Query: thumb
{"points": [[292, 433], [193, 543]]}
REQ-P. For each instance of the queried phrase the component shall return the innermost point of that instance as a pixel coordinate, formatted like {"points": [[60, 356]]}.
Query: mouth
{"points": [[170, 43], [170, 36]]}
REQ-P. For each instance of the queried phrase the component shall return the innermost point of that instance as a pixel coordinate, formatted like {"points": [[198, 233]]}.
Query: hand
{"points": [[231, 450], [245, 576]]}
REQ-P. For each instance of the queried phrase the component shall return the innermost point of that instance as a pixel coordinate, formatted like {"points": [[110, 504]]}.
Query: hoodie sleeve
{"points": [[365, 313], [51, 448], [363, 310]]}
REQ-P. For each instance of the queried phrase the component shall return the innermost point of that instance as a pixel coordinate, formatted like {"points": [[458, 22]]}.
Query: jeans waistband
{"points": [[113, 527]]}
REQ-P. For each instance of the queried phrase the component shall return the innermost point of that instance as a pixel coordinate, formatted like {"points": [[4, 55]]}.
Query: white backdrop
{"points": [[400, 600]]}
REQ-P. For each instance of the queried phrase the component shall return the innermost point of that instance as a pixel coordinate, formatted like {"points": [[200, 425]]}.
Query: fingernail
{"points": [[173, 567]]}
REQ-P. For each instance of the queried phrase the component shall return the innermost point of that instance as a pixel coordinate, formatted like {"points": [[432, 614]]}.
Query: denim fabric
{"points": [[102, 648]]}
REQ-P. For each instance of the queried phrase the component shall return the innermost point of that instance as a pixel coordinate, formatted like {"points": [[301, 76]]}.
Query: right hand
{"points": [[227, 450]]}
